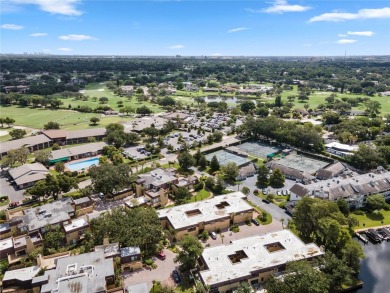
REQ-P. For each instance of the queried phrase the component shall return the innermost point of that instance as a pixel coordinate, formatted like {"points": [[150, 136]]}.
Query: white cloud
{"points": [[64, 7], [65, 49], [345, 41], [9, 26], [307, 45], [176, 47], [363, 33], [38, 35], [216, 54], [342, 35], [76, 37], [238, 29], [281, 6], [361, 14]]}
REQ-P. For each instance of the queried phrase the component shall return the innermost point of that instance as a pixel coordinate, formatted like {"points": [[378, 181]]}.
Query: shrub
{"points": [[282, 205], [358, 212], [149, 262], [234, 228]]}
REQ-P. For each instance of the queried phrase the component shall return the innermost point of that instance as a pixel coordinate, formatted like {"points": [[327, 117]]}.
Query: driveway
{"points": [[276, 212], [7, 189], [162, 273]]}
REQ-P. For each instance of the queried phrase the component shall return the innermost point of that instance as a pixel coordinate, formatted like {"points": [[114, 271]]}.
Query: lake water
{"points": [[375, 268], [232, 100]]}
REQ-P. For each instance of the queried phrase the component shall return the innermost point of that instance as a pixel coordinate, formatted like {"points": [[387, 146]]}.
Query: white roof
{"points": [[207, 210], [23, 274], [342, 147], [75, 224], [6, 243], [222, 269]]}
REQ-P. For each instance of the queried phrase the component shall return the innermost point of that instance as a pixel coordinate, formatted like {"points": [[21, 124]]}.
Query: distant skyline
{"points": [[195, 28]]}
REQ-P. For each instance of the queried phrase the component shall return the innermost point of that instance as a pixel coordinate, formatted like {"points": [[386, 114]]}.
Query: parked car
{"points": [[265, 191], [176, 276], [265, 200], [101, 195], [161, 255], [254, 221], [278, 192], [213, 235]]}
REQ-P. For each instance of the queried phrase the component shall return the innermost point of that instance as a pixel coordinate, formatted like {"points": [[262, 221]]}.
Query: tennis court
{"points": [[302, 163], [257, 149], [225, 157]]}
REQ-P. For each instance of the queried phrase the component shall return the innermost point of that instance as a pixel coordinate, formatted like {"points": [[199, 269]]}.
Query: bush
{"points": [[386, 207], [282, 205], [234, 228], [149, 262], [358, 212]]}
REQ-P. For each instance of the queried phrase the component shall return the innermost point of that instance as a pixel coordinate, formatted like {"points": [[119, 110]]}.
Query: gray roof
{"points": [[28, 173], [138, 288], [23, 274], [77, 150], [156, 177], [109, 250], [129, 251], [288, 171], [27, 142], [81, 200], [331, 170], [27, 168], [299, 190], [48, 214], [85, 272], [86, 133]]}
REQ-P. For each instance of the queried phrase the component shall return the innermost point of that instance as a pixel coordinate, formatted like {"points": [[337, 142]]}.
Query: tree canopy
{"points": [[130, 227]]}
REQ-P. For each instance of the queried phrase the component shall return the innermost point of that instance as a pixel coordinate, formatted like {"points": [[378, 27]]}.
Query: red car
{"points": [[161, 255]]}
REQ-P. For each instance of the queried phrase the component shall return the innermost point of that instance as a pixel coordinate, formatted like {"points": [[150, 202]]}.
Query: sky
{"points": [[196, 28]]}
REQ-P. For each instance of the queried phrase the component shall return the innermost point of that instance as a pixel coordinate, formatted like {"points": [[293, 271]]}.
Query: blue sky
{"points": [[226, 28]]}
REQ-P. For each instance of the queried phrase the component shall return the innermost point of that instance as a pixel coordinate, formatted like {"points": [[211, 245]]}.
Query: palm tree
{"points": [[282, 221]]}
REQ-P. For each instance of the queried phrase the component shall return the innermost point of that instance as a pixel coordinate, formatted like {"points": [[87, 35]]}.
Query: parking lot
{"points": [[6, 188], [188, 137], [136, 152], [163, 272]]}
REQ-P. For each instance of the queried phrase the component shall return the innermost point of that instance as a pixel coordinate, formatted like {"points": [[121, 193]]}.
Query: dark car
{"points": [[161, 255], [265, 200], [254, 221], [176, 276]]}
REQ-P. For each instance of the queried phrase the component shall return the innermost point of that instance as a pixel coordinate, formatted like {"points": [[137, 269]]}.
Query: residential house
{"points": [[156, 185], [354, 190], [26, 175], [290, 173], [217, 213], [330, 171]]}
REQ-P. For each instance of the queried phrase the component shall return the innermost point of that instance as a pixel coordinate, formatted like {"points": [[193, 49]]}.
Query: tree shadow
{"points": [[375, 216]]}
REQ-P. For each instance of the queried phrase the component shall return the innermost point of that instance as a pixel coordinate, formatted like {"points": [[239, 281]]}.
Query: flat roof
{"points": [[205, 211], [48, 214], [6, 243], [88, 273], [256, 256], [128, 251], [23, 274], [76, 224], [156, 177], [138, 288]]}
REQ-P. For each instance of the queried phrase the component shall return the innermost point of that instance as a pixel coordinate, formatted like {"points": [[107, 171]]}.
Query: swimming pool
{"points": [[82, 164]]}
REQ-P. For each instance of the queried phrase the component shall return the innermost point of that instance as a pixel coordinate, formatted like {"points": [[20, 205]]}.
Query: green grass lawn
{"points": [[98, 91], [200, 195], [372, 219], [70, 120], [261, 211]]}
